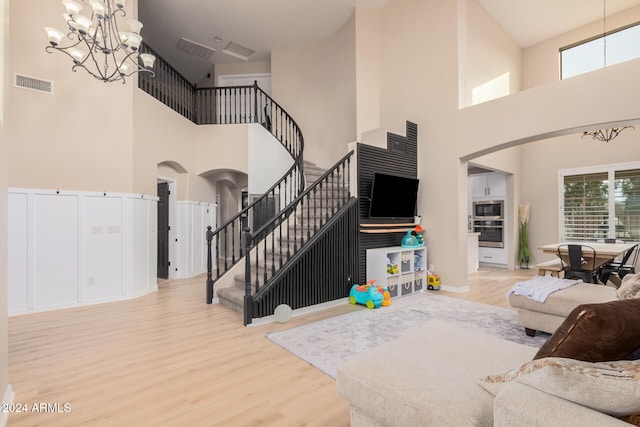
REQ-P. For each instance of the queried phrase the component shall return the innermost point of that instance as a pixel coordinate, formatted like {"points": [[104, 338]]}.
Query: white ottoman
{"points": [[536, 316]]}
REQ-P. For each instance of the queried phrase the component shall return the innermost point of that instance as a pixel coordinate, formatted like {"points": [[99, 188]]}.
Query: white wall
{"points": [[487, 55], [316, 85], [69, 248], [268, 159], [5, 388]]}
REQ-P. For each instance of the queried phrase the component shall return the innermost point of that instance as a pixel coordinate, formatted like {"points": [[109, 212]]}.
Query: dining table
{"points": [[605, 252]]}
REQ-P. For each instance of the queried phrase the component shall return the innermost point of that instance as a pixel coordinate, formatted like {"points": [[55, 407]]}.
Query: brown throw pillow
{"points": [[596, 332]]}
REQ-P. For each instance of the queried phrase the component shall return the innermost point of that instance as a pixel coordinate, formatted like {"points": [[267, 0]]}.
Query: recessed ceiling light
{"points": [[217, 39]]}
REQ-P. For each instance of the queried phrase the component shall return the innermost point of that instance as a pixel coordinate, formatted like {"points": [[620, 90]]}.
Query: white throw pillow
{"points": [[609, 387], [630, 287]]}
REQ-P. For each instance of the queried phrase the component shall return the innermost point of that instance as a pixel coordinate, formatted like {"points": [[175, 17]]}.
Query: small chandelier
{"points": [[97, 45], [605, 135]]}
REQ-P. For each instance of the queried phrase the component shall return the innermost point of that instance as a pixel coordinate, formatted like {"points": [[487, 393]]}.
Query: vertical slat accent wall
{"points": [[399, 158]]}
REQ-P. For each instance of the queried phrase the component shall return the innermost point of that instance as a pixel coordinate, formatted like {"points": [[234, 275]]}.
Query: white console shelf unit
{"points": [[412, 269]]}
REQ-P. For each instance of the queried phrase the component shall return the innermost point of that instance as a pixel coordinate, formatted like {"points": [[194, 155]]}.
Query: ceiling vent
{"points": [[196, 49], [30, 83], [238, 51]]}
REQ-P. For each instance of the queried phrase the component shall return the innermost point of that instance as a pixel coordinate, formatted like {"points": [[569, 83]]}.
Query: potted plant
{"points": [[523, 247]]}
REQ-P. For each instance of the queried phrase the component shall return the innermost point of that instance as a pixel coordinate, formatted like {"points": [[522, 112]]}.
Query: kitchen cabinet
{"points": [[493, 256], [472, 253], [488, 185]]}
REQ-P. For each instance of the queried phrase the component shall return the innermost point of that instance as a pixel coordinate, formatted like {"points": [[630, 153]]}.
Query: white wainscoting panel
{"points": [[18, 272], [69, 248], [55, 240], [103, 248], [193, 220]]}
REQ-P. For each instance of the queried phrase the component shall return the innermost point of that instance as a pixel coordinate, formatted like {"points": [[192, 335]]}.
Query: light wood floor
{"points": [[168, 359]]}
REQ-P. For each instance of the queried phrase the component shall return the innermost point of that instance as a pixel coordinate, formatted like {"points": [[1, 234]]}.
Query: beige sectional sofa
{"points": [[432, 376]]}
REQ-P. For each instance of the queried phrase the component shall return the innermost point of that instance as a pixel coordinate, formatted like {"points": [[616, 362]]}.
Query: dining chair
{"points": [[582, 262], [627, 265]]}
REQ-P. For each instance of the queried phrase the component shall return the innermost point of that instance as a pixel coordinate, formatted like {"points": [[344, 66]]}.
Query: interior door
{"points": [[163, 230]]}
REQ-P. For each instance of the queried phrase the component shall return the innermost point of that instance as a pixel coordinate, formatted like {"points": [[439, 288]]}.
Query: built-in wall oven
{"points": [[488, 220], [491, 233]]}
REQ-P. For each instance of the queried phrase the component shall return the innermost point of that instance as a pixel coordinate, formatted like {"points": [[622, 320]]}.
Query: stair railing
{"points": [[276, 242], [227, 238]]}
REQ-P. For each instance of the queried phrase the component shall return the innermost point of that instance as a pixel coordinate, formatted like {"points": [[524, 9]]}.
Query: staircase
{"points": [[307, 252], [306, 224]]}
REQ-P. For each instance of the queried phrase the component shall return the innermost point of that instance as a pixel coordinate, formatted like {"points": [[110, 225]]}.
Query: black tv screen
{"points": [[393, 196]]}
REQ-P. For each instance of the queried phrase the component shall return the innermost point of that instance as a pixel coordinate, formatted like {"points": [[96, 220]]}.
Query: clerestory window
{"points": [[621, 45]]}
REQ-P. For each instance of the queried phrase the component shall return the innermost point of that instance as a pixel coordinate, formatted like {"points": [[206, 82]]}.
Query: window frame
{"points": [[611, 170]]}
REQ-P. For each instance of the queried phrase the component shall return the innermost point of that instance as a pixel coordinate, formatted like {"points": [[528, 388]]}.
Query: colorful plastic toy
{"points": [[418, 234], [368, 295], [417, 262], [433, 282], [386, 296], [413, 238], [392, 268]]}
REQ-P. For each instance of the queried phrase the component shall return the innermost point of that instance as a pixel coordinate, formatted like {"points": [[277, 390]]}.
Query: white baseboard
{"points": [[455, 289], [300, 311], [9, 395], [86, 303]]}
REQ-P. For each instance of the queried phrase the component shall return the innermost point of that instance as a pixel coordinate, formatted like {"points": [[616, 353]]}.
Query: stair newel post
{"points": [[209, 266], [248, 299], [255, 101]]}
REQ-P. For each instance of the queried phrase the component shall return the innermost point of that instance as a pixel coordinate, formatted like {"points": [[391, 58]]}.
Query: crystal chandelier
{"points": [[98, 45]]}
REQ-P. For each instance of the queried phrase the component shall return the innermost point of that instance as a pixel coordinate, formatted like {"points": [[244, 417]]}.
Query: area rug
{"points": [[328, 343]]}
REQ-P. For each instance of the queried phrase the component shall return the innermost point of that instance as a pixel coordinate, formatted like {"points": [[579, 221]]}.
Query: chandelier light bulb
{"points": [[77, 54], [132, 40], [55, 35], [73, 8], [147, 59], [124, 68], [120, 4], [82, 24], [99, 8], [135, 26]]}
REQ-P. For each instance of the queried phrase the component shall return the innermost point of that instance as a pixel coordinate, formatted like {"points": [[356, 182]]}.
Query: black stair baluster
{"points": [[217, 255], [226, 248], [265, 267], [315, 208], [233, 242]]}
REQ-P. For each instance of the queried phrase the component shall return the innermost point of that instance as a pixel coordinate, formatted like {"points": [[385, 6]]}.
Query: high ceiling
{"points": [[263, 26]]}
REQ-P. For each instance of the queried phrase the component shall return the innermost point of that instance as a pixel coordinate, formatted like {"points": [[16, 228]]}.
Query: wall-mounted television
{"points": [[393, 196]]}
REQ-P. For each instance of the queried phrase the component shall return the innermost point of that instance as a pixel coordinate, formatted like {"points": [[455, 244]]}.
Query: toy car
{"points": [[433, 282], [366, 295]]}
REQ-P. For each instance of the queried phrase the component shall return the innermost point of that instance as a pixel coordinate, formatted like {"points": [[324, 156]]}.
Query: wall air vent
{"points": [[195, 49], [31, 83]]}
